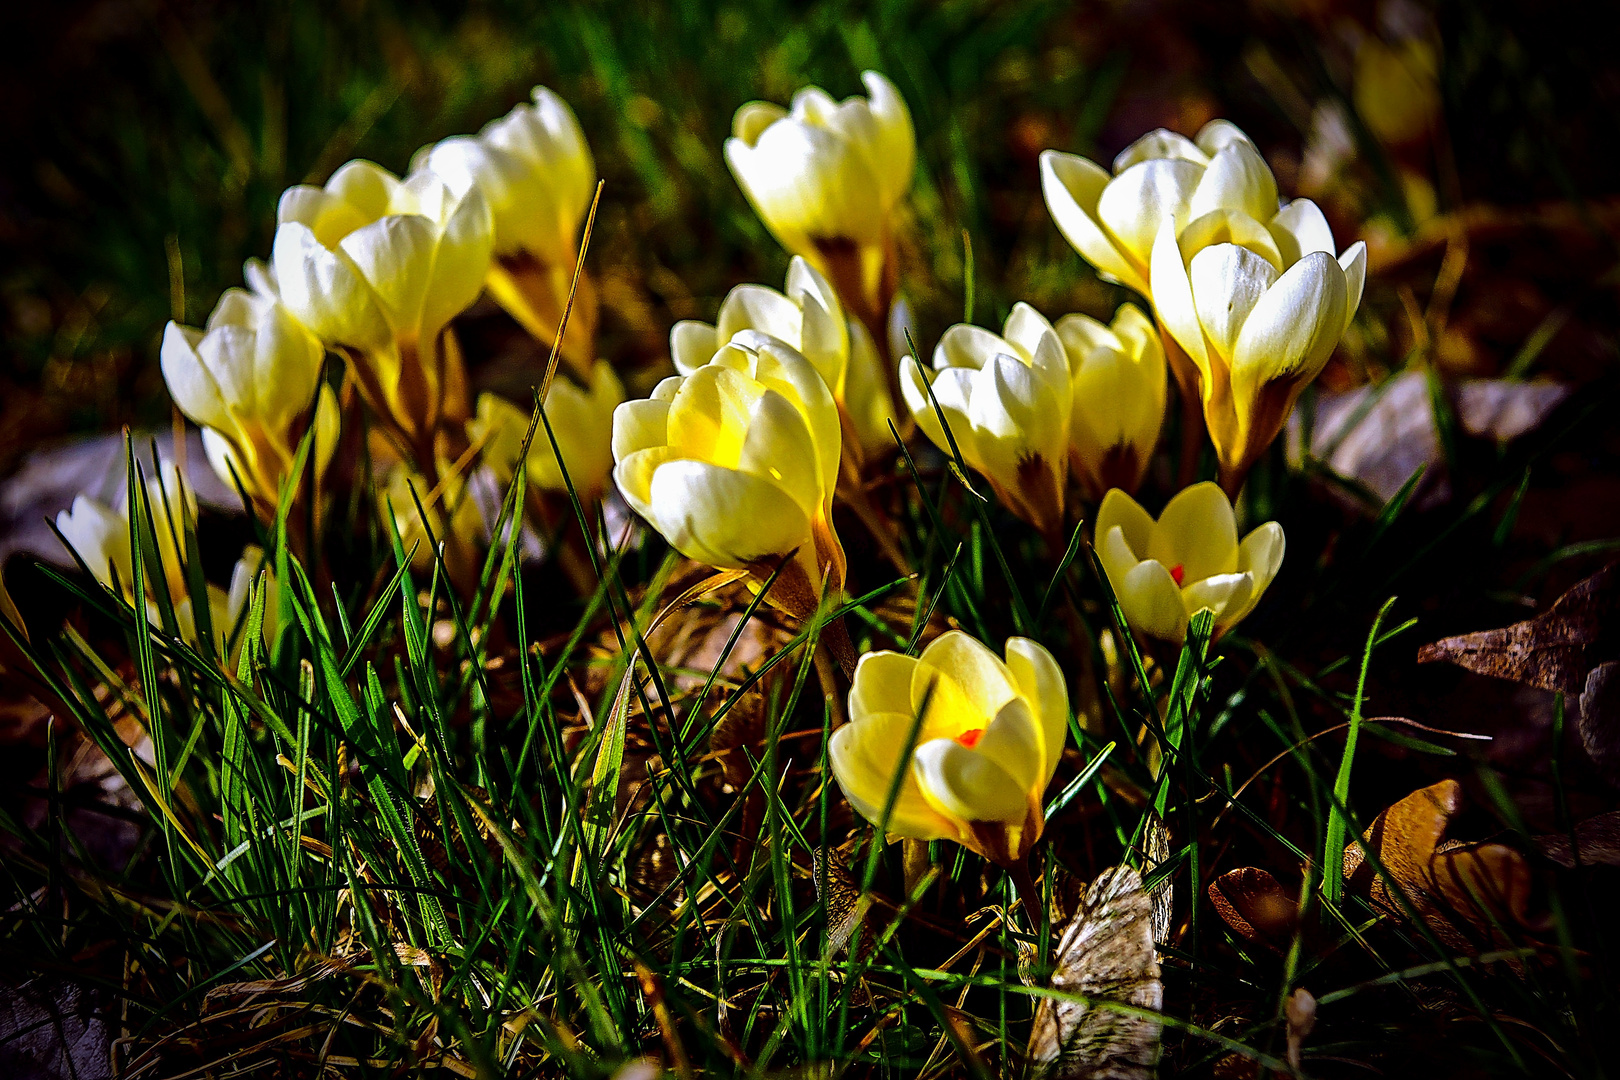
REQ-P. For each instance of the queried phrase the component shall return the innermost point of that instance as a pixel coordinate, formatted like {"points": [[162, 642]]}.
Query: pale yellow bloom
{"points": [[377, 267], [1397, 88], [1118, 375], [403, 488], [1166, 571], [248, 380], [989, 738], [100, 535], [1113, 219], [808, 316], [1007, 400], [582, 421], [1259, 306], [826, 177], [735, 465], [534, 169]]}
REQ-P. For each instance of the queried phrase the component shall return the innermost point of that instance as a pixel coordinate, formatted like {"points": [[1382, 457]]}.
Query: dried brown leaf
{"points": [[1553, 651], [1597, 840], [1255, 905], [1106, 955]]}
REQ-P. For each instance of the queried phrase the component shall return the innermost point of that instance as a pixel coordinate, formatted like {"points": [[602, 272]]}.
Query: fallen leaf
{"points": [[1599, 722], [1597, 840], [1554, 650], [1403, 837], [1106, 955], [1503, 410], [1255, 905]]}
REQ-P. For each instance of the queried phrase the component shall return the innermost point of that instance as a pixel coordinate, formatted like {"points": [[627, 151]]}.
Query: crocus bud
{"points": [[826, 178], [1166, 571], [1113, 219], [453, 518], [248, 380], [535, 171], [735, 465], [1258, 305], [376, 267], [232, 605], [808, 316], [1118, 374], [581, 420], [100, 535], [989, 734], [1007, 401]]}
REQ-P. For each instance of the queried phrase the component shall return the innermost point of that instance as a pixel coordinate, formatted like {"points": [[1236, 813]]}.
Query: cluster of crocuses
{"points": [[787, 402]]}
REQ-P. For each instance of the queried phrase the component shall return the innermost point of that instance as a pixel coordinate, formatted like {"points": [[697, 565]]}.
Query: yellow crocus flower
{"points": [[988, 740], [1166, 571], [582, 421], [1118, 375]]}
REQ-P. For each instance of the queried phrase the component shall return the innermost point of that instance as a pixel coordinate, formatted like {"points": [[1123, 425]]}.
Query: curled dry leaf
{"points": [[1155, 850], [1255, 905], [1106, 956], [1597, 840], [1554, 650], [1466, 893], [1600, 718]]}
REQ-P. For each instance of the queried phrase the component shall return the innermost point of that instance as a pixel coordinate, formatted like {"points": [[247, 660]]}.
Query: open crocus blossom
{"points": [[535, 171], [1166, 571], [1113, 219], [1258, 305], [735, 466], [1118, 376], [808, 316], [248, 379], [1007, 400], [581, 420], [376, 267], [989, 734], [825, 177]]}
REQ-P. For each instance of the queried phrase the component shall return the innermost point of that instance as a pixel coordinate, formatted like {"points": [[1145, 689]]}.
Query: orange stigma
{"points": [[1177, 572], [970, 739]]}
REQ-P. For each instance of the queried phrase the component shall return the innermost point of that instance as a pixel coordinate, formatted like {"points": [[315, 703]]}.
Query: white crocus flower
{"points": [[808, 316], [1258, 306], [1007, 400], [826, 178], [248, 380], [1118, 375], [582, 421], [377, 267], [1112, 219], [735, 465], [534, 169], [1166, 571]]}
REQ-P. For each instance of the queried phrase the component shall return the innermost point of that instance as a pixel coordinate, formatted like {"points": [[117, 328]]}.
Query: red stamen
{"points": [[1177, 573], [970, 739]]}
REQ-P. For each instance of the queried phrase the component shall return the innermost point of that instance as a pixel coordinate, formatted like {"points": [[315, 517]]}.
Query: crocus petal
{"points": [[774, 450], [882, 683], [721, 516], [1354, 264], [1173, 298], [959, 677], [691, 344], [1292, 329], [1237, 178], [1299, 229], [1013, 740], [1159, 143], [896, 148], [1072, 187], [1136, 525], [1152, 602], [1227, 283], [1224, 594], [968, 786], [1040, 681], [190, 383], [326, 292], [461, 261], [865, 756], [1198, 532], [756, 307], [1142, 198], [639, 425]]}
